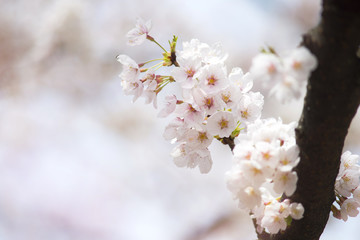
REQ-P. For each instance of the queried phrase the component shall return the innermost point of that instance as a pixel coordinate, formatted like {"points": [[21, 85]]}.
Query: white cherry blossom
{"points": [[198, 139], [266, 154], [221, 123], [250, 107], [194, 48], [132, 88], [243, 151], [150, 85], [131, 70], [356, 194], [138, 35], [212, 78], [284, 75], [285, 182], [191, 114], [349, 208], [254, 172], [169, 107], [186, 157], [175, 130], [286, 89], [299, 63], [206, 102], [296, 210], [266, 68], [273, 222], [231, 97], [184, 74], [288, 158], [240, 81], [248, 196], [349, 161], [347, 182], [214, 54]]}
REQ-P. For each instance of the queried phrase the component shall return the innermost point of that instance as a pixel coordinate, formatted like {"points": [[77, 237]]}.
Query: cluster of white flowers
{"points": [[347, 188], [285, 75], [262, 173], [215, 104]]}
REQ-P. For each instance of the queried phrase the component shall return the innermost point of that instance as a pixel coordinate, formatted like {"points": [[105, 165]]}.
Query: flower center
{"points": [[202, 136], [256, 171], [209, 102], [296, 65], [190, 73], [226, 98], [223, 123], [266, 155], [285, 162], [212, 80], [244, 114], [271, 69], [191, 108]]}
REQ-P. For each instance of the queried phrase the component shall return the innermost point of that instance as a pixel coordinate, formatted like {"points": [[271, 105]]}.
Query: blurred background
{"points": [[79, 160]]}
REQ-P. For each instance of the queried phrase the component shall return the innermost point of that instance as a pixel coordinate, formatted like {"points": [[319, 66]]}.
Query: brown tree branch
{"points": [[333, 96]]}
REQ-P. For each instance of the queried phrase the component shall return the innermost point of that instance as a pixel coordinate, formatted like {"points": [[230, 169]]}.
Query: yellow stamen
{"points": [[223, 123], [212, 80], [297, 65]]}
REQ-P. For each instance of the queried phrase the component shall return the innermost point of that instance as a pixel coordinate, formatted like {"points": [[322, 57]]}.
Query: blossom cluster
{"points": [[283, 75], [216, 104], [347, 188], [263, 171], [213, 104]]}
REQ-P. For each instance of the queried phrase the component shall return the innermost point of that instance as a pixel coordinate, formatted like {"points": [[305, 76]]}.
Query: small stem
{"points": [[162, 85], [153, 40], [153, 60], [157, 66]]}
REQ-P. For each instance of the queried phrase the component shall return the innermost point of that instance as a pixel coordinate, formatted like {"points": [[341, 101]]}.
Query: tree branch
{"points": [[333, 96]]}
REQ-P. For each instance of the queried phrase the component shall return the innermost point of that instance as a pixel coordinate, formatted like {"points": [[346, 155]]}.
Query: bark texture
{"points": [[333, 97]]}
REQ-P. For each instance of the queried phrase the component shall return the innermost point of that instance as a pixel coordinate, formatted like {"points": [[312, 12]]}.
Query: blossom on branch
{"points": [[213, 104], [347, 188], [138, 35], [283, 75]]}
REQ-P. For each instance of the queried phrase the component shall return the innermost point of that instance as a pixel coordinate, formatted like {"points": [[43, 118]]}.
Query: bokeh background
{"points": [[80, 161]]}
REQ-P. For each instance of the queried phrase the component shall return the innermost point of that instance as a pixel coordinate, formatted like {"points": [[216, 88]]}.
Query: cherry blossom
{"points": [[250, 107], [131, 70], [221, 123], [349, 208], [347, 189], [296, 210], [264, 159], [285, 182], [138, 35], [206, 102], [299, 63], [214, 105], [242, 82], [266, 67], [185, 73], [212, 78], [169, 107], [284, 75]]}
